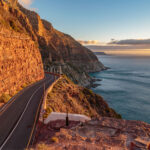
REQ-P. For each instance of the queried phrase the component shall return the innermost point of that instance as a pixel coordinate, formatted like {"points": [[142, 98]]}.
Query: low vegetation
{"points": [[41, 146], [5, 98], [24, 85], [55, 139], [67, 96], [47, 112]]}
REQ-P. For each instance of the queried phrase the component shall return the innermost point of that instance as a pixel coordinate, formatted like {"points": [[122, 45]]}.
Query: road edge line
{"points": [[8, 137]]}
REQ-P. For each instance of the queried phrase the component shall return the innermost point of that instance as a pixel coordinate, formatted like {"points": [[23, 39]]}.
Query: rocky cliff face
{"points": [[20, 59], [59, 51]]}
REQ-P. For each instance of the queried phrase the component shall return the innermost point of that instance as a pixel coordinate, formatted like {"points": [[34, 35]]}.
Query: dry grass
{"points": [[5, 98], [47, 112], [55, 139], [67, 96], [42, 146], [24, 85]]}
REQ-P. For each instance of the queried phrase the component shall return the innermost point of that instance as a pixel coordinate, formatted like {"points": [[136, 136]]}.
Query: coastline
{"points": [[93, 83], [119, 86]]}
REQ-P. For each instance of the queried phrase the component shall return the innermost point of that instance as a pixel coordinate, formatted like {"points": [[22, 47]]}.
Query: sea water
{"points": [[126, 86]]}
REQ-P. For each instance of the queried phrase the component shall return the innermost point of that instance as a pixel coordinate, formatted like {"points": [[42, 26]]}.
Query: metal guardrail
{"points": [[55, 74]]}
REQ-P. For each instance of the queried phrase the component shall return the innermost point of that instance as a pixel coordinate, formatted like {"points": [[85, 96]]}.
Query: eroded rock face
{"points": [[20, 61], [102, 134], [20, 58]]}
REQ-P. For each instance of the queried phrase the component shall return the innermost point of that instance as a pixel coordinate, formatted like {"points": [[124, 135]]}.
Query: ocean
{"points": [[126, 86]]}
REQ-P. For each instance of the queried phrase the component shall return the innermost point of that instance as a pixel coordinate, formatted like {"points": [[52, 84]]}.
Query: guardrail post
{"points": [[67, 119]]}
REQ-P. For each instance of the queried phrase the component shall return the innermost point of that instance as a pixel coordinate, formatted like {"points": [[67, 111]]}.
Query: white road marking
{"points": [[18, 94], [20, 117]]}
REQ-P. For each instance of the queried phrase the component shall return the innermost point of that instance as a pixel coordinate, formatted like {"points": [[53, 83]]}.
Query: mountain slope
{"points": [[60, 52], [67, 96]]}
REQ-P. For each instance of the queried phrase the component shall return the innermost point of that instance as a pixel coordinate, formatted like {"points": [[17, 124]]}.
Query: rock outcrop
{"points": [[60, 52], [102, 134], [20, 58]]}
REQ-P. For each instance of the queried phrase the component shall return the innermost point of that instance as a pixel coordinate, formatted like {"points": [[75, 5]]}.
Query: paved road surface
{"points": [[17, 120]]}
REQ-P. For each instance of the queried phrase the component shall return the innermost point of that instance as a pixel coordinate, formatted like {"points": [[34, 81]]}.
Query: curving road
{"points": [[17, 118]]}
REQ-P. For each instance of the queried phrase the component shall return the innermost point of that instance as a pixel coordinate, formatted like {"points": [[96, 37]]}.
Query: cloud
{"points": [[118, 46], [127, 47], [26, 3], [132, 42], [90, 42], [108, 47]]}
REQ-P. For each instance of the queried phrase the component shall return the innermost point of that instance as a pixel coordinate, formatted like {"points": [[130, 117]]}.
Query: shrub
{"points": [[54, 139], [42, 146], [19, 89], [5, 98], [48, 111], [24, 85]]}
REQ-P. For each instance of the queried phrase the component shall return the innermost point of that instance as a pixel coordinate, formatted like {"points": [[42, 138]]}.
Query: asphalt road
{"points": [[17, 119]]}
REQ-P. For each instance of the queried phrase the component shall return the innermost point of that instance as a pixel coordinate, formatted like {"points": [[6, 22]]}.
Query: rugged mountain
{"points": [[20, 59], [60, 52]]}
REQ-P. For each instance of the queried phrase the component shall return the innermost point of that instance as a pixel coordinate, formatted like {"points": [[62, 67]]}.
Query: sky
{"points": [[97, 22]]}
